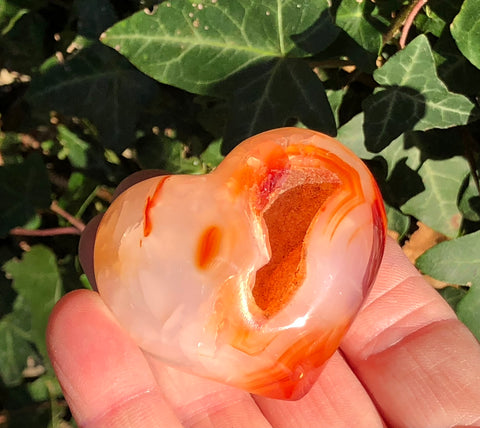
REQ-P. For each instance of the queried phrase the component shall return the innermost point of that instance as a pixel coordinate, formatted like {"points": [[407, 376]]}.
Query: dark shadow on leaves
{"points": [[445, 9], [269, 94], [389, 113], [319, 36], [402, 184], [436, 144], [460, 75]]}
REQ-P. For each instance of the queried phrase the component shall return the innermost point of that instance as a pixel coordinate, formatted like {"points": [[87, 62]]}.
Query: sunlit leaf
{"points": [[456, 261], [240, 50], [412, 97], [466, 31], [198, 46], [437, 206], [354, 17]]}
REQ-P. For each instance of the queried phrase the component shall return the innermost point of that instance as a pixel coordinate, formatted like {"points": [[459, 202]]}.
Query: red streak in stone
{"points": [[149, 204], [208, 246]]}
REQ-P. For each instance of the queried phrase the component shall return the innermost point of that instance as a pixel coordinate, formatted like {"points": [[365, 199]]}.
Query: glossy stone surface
{"points": [[249, 275]]}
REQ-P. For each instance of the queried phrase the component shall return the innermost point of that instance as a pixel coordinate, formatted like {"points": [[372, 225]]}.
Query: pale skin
{"points": [[406, 362]]}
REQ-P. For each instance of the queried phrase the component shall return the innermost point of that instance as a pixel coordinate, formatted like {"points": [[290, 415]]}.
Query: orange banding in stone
{"points": [[151, 201], [208, 246]]}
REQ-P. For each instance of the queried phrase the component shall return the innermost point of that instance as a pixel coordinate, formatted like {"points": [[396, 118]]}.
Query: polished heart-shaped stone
{"points": [[252, 274]]}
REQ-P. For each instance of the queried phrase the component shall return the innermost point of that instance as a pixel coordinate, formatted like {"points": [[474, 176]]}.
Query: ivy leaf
{"points": [[467, 309], [23, 189], [354, 17], [240, 50], [73, 147], [351, 135], [112, 92], [453, 295], [36, 278], [198, 46], [456, 261], [412, 98], [454, 69], [212, 155], [436, 206], [397, 221], [159, 152], [469, 203], [15, 343], [466, 30], [288, 89]]}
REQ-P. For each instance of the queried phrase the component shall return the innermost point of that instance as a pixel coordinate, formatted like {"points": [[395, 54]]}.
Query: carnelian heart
{"points": [[249, 275]]}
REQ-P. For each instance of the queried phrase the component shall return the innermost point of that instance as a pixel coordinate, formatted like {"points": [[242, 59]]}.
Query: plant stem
{"points": [[67, 216], [409, 21], [408, 13], [54, 231]]}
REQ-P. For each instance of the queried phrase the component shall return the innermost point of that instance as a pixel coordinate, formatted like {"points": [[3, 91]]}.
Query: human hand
{"points": [[406, 361]]}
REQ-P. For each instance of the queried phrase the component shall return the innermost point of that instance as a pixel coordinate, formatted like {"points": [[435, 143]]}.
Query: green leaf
{"points": [[436, 206], [397, 221], [412, 98], [97, 84], [466, 31], [335, 98], [73, 147], [430, 22], [351, 135], [212, 156], [453, 295], [15, 343], [468, 309], [44, 388], [469, 203], [243, 50], [289, 89], [200, 46], [454, 69], [36, 278], [159, 152], [10, 13], [23, 189], [354, 17], [456, 261]]}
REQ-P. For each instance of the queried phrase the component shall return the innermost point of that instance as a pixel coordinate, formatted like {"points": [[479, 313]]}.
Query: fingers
{"points": [[103, 374], [204, 403], [336, 400], [108, 382], [420, 364]]}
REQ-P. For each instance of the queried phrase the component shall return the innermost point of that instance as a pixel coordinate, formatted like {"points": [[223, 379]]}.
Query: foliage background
{"points": [[93, 90]]}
